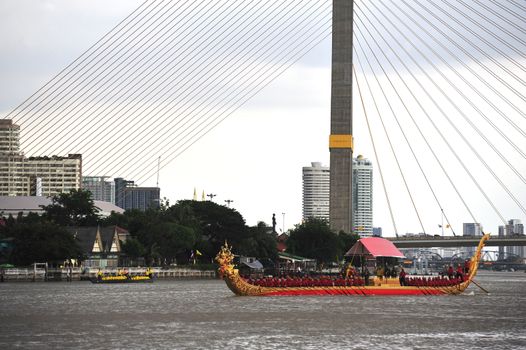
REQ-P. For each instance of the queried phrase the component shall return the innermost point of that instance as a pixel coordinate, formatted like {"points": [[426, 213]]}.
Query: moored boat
{"points": [[123, 278], [374, 286]]}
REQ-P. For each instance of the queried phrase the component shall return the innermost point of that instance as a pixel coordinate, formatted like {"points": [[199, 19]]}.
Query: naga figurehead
{"points": [[224, 258]]}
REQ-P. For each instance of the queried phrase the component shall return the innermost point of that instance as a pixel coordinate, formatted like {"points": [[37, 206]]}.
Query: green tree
{"points": [[260, 243], [214, 223], [347, 240], [42, 242], [173, 231], [75, 208], [314, 239], [172, 239], [133, 248]]}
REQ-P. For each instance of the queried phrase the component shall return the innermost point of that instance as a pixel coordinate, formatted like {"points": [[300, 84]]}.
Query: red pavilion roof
{"points": [[375, 246]]}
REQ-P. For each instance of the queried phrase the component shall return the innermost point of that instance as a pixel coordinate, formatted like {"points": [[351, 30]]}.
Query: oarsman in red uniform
{"points": [[402, 277], [459, 275], [450, 272]]}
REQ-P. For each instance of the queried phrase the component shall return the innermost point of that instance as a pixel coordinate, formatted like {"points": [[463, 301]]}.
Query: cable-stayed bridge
{"points": [[442, 85]]}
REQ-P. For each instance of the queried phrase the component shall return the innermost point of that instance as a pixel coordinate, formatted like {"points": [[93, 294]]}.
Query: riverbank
{"points": [[79, 274]]}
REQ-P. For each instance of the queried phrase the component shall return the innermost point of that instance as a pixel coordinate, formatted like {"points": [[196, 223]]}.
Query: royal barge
{"points": [[410, 285]]}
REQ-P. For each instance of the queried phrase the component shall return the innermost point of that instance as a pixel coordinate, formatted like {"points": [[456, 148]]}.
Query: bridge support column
{"points": [[341, 142]]}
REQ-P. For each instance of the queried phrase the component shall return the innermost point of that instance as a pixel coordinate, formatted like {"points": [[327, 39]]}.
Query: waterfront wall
{"points": [[78, 274]]}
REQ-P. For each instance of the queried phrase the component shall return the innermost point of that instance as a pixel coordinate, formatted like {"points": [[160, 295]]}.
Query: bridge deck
{"points": [[458, 241]]}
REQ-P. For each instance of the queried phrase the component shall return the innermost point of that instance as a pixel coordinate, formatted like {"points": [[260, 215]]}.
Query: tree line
{"points": [[164, 235]]}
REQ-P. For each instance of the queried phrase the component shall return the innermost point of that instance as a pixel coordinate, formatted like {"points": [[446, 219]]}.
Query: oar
{"points": [[480, 286]]}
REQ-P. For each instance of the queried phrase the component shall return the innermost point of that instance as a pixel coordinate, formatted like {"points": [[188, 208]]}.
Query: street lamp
{"points": [[211, 195], [228, 201]]}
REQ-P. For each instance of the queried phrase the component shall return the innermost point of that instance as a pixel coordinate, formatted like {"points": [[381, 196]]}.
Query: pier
{"points": [[78, 274]]}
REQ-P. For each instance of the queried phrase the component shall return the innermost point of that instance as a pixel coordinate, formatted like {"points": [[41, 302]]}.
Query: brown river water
{"points": [[204, 314]]}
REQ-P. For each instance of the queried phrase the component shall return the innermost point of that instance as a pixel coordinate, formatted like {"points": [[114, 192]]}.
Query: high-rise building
{"points": [[316, 194], [128, 196], [472, 229], [101, 189], [514, 228], [316, 182], [11, 181], [362, 193], [43, 176]]}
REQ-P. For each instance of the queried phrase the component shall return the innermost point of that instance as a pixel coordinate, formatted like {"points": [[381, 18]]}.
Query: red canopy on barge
{"points": [[375, 247]]}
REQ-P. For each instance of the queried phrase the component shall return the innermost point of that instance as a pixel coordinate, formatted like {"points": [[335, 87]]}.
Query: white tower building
{"points": [[362, 196], [316, 183]]}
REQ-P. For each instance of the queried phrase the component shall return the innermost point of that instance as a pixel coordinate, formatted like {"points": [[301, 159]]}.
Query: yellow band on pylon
{"points": [[340, 141]]}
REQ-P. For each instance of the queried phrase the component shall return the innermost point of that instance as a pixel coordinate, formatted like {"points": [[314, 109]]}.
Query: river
{"points": [[204, 314]]}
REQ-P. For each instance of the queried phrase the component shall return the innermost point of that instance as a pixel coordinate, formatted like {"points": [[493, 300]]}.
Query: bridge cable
{"points": [[245, 97], [501, 17], [399, 126], [473, 58], [518, 5], [470, 42], [94, 75], [284, 66], [459, 110], [463, 49], [464, 65], [433, 123], [66, 83], [376, 153], [316, 40], [496, 37], [93, 123], [393, 152], [72, 65], [491, 33], [509, 10], [198, 85], [443, 113]]}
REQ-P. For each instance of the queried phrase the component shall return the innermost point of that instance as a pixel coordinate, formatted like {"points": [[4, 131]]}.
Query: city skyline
{"points": [[252, 157]]}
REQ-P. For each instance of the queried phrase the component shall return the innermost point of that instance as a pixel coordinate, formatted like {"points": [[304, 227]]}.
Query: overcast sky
{"points": [[256, 155]]}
